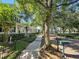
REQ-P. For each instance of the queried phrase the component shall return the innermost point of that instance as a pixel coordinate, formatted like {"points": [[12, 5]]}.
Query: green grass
{"points": [[72, 36], [19, 46]]}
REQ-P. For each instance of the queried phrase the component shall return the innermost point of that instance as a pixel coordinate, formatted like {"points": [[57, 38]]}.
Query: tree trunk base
{"points": [[49, 53]]}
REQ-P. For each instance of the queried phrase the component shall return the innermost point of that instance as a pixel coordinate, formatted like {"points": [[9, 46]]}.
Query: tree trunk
{"points": [[69, 31], [63, 30], [46, 33], [55, 30], [78, 30], [5, 36], [60, 30]]}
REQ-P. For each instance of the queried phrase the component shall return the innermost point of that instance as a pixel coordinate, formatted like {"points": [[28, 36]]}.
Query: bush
{"points": [[17, 36], [31, 37], [20, 45], [1, 37], [14, 37], [72, 35]]}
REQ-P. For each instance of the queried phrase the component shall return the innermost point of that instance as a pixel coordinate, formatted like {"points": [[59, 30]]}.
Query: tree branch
{"points": [[51, 4], [47, 4], [40, 3], [68, 3]]}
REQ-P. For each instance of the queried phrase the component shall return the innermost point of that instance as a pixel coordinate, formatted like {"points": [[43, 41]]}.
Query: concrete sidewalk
{"points": [[71, 50], [32, 51]]}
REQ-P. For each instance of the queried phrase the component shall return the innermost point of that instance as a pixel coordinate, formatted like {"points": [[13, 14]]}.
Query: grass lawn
{"points": [[72, 36], [19, 46]]}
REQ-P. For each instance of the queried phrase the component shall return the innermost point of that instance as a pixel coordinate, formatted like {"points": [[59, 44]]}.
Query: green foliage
{"points": [[42, 8], [20, 45], [25, 7], [8, 16], [17, 36], [72, 35], [14, 37], [66, 20], [45, 11]]}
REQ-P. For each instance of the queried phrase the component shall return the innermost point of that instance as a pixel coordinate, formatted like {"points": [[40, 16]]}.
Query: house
{"points": [[19, 27]]}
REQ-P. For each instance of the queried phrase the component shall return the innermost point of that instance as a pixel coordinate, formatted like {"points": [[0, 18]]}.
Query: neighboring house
{"points": [[33, 29], [19, 28]]}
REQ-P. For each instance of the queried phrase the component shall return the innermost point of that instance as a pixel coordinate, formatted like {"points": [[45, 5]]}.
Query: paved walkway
{"points": [[71, 50], [31, 52]]}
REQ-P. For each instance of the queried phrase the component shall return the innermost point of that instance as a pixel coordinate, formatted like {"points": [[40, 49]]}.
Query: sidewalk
{"points": [[31, 52], [71, 50]]}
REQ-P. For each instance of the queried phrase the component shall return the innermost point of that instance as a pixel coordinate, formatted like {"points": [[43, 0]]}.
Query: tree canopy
{"points": [[45, 11]]}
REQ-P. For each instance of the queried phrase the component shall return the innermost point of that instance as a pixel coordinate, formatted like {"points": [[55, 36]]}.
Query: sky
{"points": [[8, 1]]}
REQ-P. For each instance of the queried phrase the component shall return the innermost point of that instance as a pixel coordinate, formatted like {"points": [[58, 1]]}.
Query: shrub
{"points": [[20, 44], [17, 36], [1, 37]]}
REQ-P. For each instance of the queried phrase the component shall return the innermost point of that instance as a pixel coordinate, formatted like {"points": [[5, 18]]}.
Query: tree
{"points": [[7, 19], [75, 21], [45, 8], [66, 21]]}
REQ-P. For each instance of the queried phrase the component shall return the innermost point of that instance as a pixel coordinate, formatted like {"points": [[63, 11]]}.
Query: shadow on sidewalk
{"points": [[72, 56], [74, 46]]}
